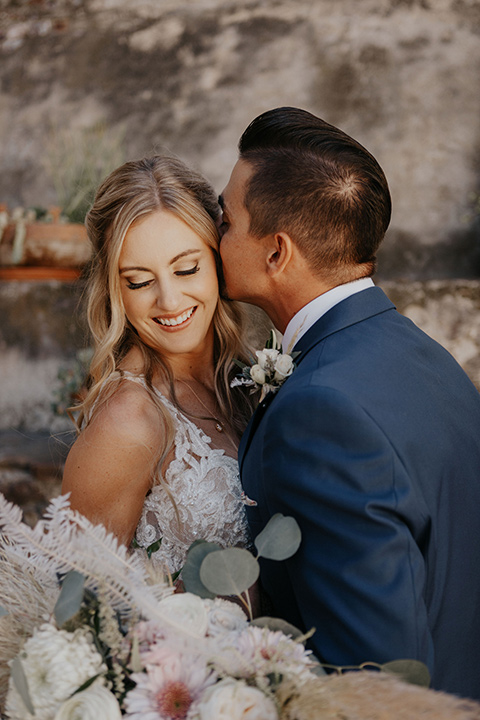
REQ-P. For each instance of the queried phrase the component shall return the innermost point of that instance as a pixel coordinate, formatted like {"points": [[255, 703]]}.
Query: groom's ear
{"points": [[280, 251]]}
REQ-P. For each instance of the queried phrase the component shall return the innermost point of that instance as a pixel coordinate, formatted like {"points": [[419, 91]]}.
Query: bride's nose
{"points": [[168, 296]]}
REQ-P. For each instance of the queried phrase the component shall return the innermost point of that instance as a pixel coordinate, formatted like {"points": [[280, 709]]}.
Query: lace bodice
{"points": [[205, 484]]}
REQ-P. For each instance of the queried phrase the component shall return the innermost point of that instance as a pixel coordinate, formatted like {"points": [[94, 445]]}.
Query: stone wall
{"points": [[400, 75]]}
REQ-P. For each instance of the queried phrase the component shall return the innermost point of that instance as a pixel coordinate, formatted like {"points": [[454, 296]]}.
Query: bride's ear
{"points": [[280, 252]]}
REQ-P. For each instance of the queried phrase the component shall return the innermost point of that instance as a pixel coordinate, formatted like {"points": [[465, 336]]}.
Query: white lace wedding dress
{"points": [[205, 485]]}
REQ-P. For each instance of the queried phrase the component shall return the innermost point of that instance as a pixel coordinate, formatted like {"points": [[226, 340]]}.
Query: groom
{"points": [[373, 444]]}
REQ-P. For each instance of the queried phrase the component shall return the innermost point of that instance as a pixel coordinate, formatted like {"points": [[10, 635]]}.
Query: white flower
{"points": [[258, 651], [234, 700], [283, 367], [269, 372], [186, 610], [224, 616], [55, 663], [257, 374], [90, 704], [267, 357]]}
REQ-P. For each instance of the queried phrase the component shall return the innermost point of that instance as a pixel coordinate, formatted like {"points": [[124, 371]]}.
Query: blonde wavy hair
{"points": [[135, 190]]}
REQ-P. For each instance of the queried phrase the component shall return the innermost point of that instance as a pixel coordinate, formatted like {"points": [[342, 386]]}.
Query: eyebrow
{"points": [[172, 261]]}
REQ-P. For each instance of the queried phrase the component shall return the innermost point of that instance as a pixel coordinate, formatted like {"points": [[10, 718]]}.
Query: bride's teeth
{"points": [[176, 321]]}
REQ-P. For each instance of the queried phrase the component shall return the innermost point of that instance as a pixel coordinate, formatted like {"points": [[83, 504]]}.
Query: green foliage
{"points": [[70, 598], [271, 343], [229, 572], [411, 671], [78, 160], [280, 538], [191, 570], [211, 571], [21, 683]]}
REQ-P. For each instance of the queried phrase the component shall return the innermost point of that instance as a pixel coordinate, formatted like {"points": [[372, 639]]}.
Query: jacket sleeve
{"points": [[359, 575]]}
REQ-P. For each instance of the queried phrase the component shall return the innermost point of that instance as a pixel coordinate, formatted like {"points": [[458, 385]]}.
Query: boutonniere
{"points": [[269, 370]]}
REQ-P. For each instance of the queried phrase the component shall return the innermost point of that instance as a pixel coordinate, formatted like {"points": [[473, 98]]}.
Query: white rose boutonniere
{"points": [[270, 369]]}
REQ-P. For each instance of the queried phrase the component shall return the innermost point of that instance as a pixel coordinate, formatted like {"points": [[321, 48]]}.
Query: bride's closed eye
{"points": [[190, 271], [136, 286]]}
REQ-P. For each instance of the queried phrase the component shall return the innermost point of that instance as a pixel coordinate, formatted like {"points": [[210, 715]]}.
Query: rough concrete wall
{"points": [[399, 75], [42, 328]]}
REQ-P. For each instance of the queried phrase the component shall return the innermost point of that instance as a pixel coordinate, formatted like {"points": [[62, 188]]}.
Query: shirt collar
{"points": [[312, 311]]}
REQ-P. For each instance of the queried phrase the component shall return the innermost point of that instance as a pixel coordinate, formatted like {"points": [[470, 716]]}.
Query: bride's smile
{"points": [[175, 322]]}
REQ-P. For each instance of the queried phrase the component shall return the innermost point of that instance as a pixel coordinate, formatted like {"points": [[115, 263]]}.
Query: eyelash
{"points": [[136, 286], [192, 271], [182, 273]]}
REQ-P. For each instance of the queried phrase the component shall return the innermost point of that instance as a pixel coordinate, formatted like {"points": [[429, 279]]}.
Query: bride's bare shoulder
{"points": [[130, 411]]}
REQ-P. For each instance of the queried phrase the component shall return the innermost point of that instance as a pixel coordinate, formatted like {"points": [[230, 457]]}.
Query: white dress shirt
{"points": [[312, 311]]}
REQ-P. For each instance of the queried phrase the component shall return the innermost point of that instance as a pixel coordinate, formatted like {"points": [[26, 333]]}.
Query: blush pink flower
{"points": [[170, 685]]}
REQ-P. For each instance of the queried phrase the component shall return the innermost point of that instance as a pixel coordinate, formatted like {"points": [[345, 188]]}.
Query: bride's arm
{"points": [[109, 468]]}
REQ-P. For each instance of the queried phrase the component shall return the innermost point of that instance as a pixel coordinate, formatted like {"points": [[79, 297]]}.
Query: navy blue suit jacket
{"points": [[373, 445]]}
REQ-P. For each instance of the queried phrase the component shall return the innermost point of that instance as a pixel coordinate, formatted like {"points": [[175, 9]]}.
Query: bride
{"points": [[155, 457]]}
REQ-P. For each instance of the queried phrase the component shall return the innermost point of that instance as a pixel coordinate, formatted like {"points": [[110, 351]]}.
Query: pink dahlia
{"points": [[171, 684]]}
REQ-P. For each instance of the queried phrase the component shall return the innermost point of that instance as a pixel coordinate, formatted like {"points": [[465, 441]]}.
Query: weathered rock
{"points": [[31, 467], [448, 311], [188, 76]]}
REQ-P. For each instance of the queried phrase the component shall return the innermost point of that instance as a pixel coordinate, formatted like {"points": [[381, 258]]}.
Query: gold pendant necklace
{"points": [[218, 425]]}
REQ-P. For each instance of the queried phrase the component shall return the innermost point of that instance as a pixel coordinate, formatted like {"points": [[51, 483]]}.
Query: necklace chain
{"points": [[218, 425]]}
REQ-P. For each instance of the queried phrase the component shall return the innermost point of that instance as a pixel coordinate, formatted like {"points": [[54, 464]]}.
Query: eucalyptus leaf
{"points": [[229, 572], [412, 671], [191, 570], [3, 611], [21, 683], [70, 598], [279, 539]]}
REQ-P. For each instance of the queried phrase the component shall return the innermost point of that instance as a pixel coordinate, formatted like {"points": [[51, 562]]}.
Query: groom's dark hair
{"points": [[319, 185]]}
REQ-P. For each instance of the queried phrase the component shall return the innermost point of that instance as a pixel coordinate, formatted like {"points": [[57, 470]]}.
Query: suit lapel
{"points": [[350, 311], [252, 426]]}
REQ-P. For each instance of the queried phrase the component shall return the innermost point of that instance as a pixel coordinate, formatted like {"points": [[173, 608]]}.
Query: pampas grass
{"points": [[34, 560], [367, 695]]}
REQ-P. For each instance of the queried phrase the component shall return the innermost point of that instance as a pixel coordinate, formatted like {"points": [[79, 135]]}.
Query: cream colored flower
{"points": [[283, 367], [91, 704], [235, 700], [186, 610], [56, 663], [257, 374], [224, 616], [267, 357]]}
